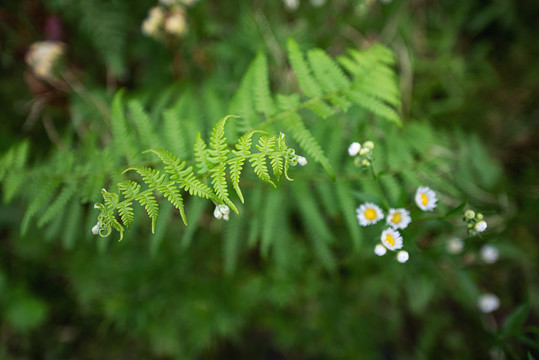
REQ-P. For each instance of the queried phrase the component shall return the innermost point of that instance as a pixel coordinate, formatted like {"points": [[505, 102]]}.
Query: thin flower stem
{"points": [[383, 198]]}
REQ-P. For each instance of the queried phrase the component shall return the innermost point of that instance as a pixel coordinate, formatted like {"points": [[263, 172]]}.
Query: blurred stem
{"points": [[83, 92], [382, 195]]}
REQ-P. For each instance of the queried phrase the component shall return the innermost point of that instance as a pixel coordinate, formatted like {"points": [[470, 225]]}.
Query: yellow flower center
{"points": [[390, 240], [424, 199], [397, 218], [370, 214]]}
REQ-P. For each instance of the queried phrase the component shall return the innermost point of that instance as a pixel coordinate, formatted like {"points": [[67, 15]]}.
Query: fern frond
{"points": [[174, 167], [243, 149], [152, 177], [174, 196], [122, 137], [218, 150], [262, 94], [195, 187], [307, 141], [306, 80], [125, 211], [129, 189], [60, 201], [143, 124], [327, 72], [201, 155], [258, 162], [147, 200]]}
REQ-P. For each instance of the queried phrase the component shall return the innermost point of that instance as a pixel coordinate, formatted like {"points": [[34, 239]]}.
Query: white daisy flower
{"points": [[398, 218], [380, 250], [488, 302], [489, 254], [391, 239], [425, 198], [403, 256], [368, 214], [354, 148]]}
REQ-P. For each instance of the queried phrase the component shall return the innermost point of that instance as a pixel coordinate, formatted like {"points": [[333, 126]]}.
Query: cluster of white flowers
{"points": [[362, 153], [42, 56], [221, 211], [168, 18], [475, 222], [369, 214]]}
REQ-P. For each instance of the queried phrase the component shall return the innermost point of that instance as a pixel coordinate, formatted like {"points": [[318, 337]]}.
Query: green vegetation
{"points": [[177, 129]]}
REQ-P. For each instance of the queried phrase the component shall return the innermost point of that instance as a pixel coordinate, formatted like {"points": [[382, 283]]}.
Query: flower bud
{"points": [[403, 256], [481, 226], [302, 161], [369, 145], [469, 214], [380, 250]]}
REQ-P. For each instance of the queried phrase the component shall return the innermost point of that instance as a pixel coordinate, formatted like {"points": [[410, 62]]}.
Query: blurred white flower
{"points": [[380, 250], [354, 148], [302, 161], [403, 256], [455, 245], [488, 303], [398, 218], [42, 56], [368, 214], [391, 239], [176, 24], [489, 254], [291, 5], [425, 198]]}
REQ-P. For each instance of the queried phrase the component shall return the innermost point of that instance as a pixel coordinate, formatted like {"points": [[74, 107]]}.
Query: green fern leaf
{"points": [[306, 80], [174, 167], [261, 90], [45, 190], [218, 149], [327, 72], [152, 177], [201, 155], [147, 200], [258, 162], [126, 213], [122, 137], [243, 149], [143, 124], [219, 184], [374, 105], [195, 187], [59, 203], [307, 141], [129, 189], [173, 194]]}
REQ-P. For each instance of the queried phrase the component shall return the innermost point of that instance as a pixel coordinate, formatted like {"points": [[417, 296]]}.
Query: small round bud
{"points": [[217, 213], [470, 225], [369, 144], [224, 209], [380, 250], [302, 161], [469, 214], [479, 216], [95, 229], [364, 151], [481, 226], [403, 256], [365, 162], [354, 148], [225, 217]]}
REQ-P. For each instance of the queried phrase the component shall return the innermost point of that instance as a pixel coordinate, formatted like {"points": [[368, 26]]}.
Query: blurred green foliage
{"points": [[292, 276]]}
